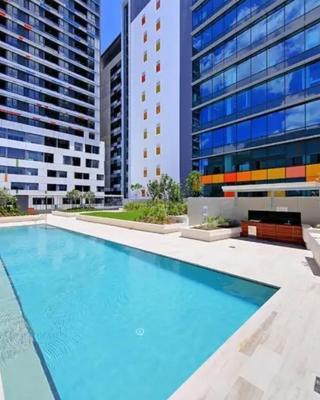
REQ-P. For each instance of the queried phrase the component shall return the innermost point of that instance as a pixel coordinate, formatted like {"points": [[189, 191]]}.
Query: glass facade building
{"points": [[49, 99], [256, 92]]}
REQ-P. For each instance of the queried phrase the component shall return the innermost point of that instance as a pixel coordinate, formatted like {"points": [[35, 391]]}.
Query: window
{"points": [[158, 129], [158, 66], [295, 118], [312, 113], [145, 153], [145, 56], [158, 150], [78, 147], [158, 171], [158, 108], [158, 87], [145, 134], [143, 77], [143, 20], [158, 4], [145, 114], [145, 37], [158, 25], [158, 45], [145, 172], [143, 96]]}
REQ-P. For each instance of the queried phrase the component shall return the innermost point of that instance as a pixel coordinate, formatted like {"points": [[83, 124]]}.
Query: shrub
{"points": [[164, 189], [154, 213], [8, 204], [193, 185], [177, 208], [134, 205]]}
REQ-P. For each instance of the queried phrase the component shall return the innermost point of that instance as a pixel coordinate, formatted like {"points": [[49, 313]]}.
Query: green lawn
{"points": [[124, 215]]}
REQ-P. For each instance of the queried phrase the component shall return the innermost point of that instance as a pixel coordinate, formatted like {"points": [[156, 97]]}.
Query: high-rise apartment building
{"points": [[256, 92], [157, 89], [111, 117], [49, 100]]}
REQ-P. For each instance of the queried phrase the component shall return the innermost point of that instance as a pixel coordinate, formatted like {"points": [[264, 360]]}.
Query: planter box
{"points": [[65, 214], [139, 226], [210, 236], [22, 218]]}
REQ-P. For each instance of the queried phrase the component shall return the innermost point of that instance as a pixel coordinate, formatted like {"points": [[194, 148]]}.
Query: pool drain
{"points": [[140, 331]]}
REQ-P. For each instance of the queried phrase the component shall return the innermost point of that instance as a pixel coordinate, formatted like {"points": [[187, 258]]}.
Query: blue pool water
{"points": [[117, 323]]}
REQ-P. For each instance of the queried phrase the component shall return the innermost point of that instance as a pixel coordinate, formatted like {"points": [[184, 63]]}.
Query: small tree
{"points": [[8, 202], [193, 185], [89, 197], [75, 196], [164, 189], [136, 189]]}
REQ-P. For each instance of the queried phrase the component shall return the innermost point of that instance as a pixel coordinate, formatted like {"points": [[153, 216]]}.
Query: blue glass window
{"points": [[230, 76], [275, 54], [243, 40], [229, 48], [259, 95], [244, 100], [294, 45], [275, 21], [259, 63], [276, 123], [231, 105], [275, 90], [313, 37], [243, 10], [2, 151], [311, 4], [243, 70], [259, 31], [313, 74], [259, 128], [312, 113], [243, 133], [206, 141], [230, 137], [293, 10], [218, 140], [295, 118], [295, 81]]}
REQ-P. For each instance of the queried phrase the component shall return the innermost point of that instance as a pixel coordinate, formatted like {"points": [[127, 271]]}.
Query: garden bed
{"points": [[212, 235], [123, 221]]}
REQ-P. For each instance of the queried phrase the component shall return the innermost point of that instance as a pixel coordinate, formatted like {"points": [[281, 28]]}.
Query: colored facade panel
{"points": [[276, 173], [260, 175], [230, 178], [313, 170], [244, 176], [296, 172]]}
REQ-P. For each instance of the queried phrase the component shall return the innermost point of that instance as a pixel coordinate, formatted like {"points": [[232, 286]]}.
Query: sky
{"points": [[110, 21]]}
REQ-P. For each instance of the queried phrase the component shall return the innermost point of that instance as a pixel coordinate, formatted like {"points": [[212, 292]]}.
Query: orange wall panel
{"points": [[259, 175], [276, 173], [296, 172], [206, 179], [230, 177], [243, 176], [229, 194], [313, 170]]}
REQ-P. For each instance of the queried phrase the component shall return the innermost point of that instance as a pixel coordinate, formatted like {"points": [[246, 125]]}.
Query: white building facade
{"points": [[49, 101], [159, 140]]}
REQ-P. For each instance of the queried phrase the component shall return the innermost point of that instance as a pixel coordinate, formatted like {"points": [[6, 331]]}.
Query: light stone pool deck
{"points": [[276, 353]]}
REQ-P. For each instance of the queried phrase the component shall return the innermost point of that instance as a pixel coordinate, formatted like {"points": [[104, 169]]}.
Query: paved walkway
{"points": [[274, 355]]}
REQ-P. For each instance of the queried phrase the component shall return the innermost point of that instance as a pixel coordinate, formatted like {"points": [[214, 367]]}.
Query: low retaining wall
{"points": [[139, 226], [210, 236], [65, 214], [22, 218], [311, 236]]}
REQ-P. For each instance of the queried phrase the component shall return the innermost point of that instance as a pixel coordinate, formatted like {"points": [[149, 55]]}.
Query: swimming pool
{"points": [[112, 322]]}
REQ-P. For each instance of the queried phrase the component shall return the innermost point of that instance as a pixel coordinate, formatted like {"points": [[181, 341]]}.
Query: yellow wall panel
{"points": [[206, 179], [259, 175], [313, 170], [276, 173]]}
